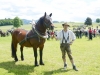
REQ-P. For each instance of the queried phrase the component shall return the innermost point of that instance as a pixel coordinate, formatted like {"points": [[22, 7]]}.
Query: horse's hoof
{"points": [[16, 60], [22, 59], [36, 65], [42, 63]]}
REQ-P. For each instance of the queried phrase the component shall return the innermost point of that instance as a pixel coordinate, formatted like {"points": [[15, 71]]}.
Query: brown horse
{"points": [[34, 38]]}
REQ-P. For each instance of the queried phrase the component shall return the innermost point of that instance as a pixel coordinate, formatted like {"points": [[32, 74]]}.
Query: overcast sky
{"points": [[62, 10]]}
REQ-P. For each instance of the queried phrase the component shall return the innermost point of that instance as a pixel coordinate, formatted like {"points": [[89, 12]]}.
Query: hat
{"points": [[65, 24]]}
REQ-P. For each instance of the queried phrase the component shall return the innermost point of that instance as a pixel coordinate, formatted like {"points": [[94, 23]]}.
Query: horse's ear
{"points": [[45, 14], [50, 15]]}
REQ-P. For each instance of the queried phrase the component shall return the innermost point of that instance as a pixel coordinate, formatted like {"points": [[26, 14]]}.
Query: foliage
{"points": [[98, 20], [17, 22], [5, 21], [88, 21]]}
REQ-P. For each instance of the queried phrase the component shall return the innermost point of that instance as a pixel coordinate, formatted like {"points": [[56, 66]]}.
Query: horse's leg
{"points": [[35, 55], [14, 50], [21, 50], [41, 54]]}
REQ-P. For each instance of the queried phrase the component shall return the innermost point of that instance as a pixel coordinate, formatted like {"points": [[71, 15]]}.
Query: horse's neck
{"points": [[40, 28]]}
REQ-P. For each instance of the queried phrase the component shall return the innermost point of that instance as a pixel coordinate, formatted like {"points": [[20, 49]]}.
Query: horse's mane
{"points": [[40, 21]]}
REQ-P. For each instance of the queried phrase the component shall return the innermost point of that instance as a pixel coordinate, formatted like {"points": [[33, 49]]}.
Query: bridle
{"points": [[37, 32], [46, 25], [45, 36]]}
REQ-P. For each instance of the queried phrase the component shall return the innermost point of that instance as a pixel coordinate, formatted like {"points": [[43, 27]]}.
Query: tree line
{"points": [[16, 21], [5, 21]]}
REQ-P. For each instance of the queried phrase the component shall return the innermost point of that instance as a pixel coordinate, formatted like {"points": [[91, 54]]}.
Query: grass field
{"points": [[86, 56]]}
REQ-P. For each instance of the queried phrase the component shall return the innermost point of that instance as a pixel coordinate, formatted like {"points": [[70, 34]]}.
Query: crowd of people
{"points": [[89, 33]]}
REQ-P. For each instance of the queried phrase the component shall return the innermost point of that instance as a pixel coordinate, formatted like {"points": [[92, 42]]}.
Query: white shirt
{"points": [[72, 36]]}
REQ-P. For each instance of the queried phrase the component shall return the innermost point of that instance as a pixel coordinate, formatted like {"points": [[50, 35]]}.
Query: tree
{"points": [[88, 21], [17, 22], [97, 20]]}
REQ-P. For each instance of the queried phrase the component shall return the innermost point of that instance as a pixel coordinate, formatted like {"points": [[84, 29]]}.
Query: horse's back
{"points": [[19, 34]]}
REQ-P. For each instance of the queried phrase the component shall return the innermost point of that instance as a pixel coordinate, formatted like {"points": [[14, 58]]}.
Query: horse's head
{"points": [[46, 21], [42, 24]]}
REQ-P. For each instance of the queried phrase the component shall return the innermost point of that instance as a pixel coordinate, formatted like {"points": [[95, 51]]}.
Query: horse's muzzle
{"points": [[52, 25]]}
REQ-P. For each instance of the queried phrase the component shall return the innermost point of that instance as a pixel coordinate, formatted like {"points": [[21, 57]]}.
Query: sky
{"points": [[62, 10]]}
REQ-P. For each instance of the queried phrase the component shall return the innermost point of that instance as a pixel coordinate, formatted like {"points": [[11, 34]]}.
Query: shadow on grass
{"points": [[17, 69], [56, 71]]}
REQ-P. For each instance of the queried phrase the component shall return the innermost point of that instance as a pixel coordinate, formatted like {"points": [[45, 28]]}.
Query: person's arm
{"points": [[73, 37], [58, 37]]}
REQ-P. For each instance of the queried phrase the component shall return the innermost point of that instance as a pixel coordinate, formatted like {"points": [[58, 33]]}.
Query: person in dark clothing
{"points": [[77, 34], [94, 33], [80, 33], [90, 33]]}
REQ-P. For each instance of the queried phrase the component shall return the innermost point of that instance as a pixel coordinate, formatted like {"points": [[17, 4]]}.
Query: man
{"points": [[66, 38], [90, 33]]}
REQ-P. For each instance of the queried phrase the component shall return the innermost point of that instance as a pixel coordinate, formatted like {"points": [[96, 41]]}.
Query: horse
{"points": [[9, 31], [3, 34], [34, 38]]}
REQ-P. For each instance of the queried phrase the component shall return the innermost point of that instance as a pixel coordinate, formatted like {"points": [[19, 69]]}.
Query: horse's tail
{"points": [[13, 46], [12, 49]]}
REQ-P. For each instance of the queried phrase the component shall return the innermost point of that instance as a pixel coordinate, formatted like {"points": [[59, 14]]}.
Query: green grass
{"points": [[86, 56]]}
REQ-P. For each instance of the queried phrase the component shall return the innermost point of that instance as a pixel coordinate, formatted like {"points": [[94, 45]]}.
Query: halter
{"points": [[46, 25], [39, 33], [34, 29]]}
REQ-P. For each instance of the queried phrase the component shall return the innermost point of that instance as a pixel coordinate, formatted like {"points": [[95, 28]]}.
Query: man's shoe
{"points": [[65, 66], [74, 67]]}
